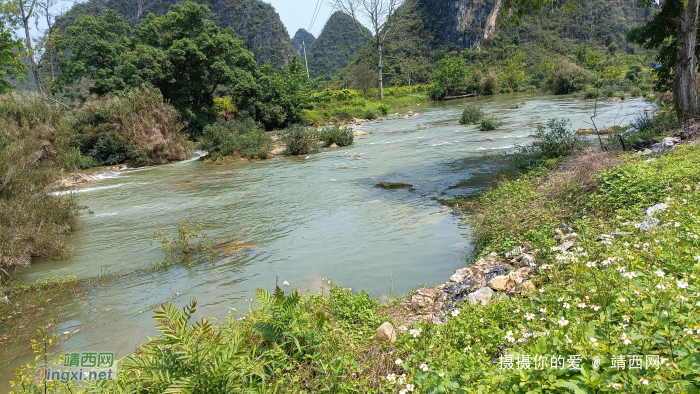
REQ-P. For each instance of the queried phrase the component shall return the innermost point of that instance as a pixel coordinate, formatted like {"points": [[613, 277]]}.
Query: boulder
{"points": [[428, 299], [333, 146], [526, 288], [358, 133], [649, 223], [501, 283], [656, 208], [73, 180], [483, 296], [278, 150], [386, 333], [521, 275]]}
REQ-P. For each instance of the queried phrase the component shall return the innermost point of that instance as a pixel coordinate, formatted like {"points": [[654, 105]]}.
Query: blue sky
{"points": [[297, 14]]}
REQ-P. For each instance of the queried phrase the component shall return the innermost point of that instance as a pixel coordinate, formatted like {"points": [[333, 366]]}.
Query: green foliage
{"points": [[11, 65], [472, 114], [646, 127], [236, 138], [383, 108], [450, 74], [300, 141], [28, 374], [566, 78], [188, 247], [555, 139], [591, 94], [341, 136], [371, 114], [489, 124], [181, 46]]}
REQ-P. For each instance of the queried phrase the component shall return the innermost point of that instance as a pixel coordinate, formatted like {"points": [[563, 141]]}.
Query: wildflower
{"points": [[581, 305], [543, 310], [680, 297], [441, 374], [391, 377], [676, 224], [567, 339], [517, 310], [626, 339], [594, 342], [661, 286], [481, 320], [620, 269], [414, 333], [398, 361], [455, 313], [595, 307], [424, 367], [621, 299], [590, 264], [410, 387], [637, 292], [402, 391], [697, 329], [560, 299], [541, 290], [566, 305], [431, 346], [660, 273], [626, 318], [623, 326], [546, 333], [688, 330], [615, 385], [562, 322], [682, 284], [468, 348], [529, 316], [644, 381], [629, 275], [483, 350], [401, 379]]}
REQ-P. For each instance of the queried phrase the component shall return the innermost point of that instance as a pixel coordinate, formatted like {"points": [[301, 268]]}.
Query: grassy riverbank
{"points": [[617, 291]]}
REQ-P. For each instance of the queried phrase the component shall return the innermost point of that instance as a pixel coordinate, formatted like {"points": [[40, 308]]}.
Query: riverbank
{"points": [[616, 278]]}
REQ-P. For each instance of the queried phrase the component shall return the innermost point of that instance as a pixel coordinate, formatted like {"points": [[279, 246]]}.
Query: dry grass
{"points": [[579, 170]]}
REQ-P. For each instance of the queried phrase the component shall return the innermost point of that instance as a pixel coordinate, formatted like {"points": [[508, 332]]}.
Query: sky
{"points": [[297, 14]]}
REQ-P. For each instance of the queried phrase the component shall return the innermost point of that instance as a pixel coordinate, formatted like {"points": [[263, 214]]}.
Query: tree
{"points": [[11, 65], [22, 11], [380, 15], [674, 31], [184, 55], [450, 74]]}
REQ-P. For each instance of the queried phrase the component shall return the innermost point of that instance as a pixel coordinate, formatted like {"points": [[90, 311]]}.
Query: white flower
{"points": [[529, 316], [391, 377], [626, 339], [414, 333], [401, 379], [398, 361], [481, 320], [410, 387], [644, 381], [581, 305], [566, 305], [660, 273], [590, 264], [567, 339], [688, 330], [441, 374], [623, 326], [595, 307], [543, 310], [629, 275], [622, 299], [541, 290], [562, 322], [661, 286], [594, 341], [455, 313], [682, 284], [424, 367], [676, 224], [402, 391], [626, 318], [517, 310], [468, 348]]}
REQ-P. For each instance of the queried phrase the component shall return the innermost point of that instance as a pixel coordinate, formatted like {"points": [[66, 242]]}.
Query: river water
{"points": [[303, 219]]}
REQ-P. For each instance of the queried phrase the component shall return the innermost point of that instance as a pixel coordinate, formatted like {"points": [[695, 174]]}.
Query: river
{"points": [[305, 220]]}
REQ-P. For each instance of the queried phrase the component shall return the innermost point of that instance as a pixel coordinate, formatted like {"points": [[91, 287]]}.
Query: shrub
{"points": [[556, 139], [566, 78], [489, 124], [472, 113], [341, 136], [370, 114], [591, 94], [490, 83], [236, 138], [620, 94], [383, 109], [300, 141]]}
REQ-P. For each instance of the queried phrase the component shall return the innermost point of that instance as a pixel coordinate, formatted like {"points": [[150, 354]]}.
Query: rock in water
{"points": [[386, 333]]}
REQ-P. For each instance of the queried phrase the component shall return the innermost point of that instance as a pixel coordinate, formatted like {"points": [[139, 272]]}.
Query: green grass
{"points": [[359, 108]]}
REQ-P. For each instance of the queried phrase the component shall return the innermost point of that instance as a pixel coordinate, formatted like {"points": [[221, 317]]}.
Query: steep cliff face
{"points": [[337, 46], [461, 23], [257, 23], [302, 39]]}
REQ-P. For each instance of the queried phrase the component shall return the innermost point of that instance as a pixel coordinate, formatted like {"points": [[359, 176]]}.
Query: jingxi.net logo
{"points": [[85, 366]]}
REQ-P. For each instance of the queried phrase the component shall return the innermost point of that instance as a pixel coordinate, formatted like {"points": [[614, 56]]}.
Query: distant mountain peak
{"points": [[302, 39]]}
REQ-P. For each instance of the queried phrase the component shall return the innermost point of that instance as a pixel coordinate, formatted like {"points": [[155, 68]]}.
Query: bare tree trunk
{"points": [[30, 52], [685, 95], [381, 66]]}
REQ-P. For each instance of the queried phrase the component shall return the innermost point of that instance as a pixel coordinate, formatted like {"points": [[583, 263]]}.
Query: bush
{"points": [[370, 114], [490, 84], [556, 139], [567, 78], [472, 113], [300, 141], [241, 138], [620, 94], [489, 124], [341, 136], [383, 109], [591, 94]]}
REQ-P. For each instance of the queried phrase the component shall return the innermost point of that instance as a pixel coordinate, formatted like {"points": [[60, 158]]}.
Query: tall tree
{"points": [[11, 65], [674, 31], [379, 14], [22, 12]]}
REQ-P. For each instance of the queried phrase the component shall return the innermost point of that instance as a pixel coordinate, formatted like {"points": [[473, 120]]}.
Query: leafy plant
{"points": [[341, 136], [472, 114], [300, 141], [188, 247], [555, 139], [489, 124], [236, 137]]}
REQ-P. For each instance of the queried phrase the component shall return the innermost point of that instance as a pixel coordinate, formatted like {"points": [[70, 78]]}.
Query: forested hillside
{"points": [[302, 38], [257, 23], [336, 46]]}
